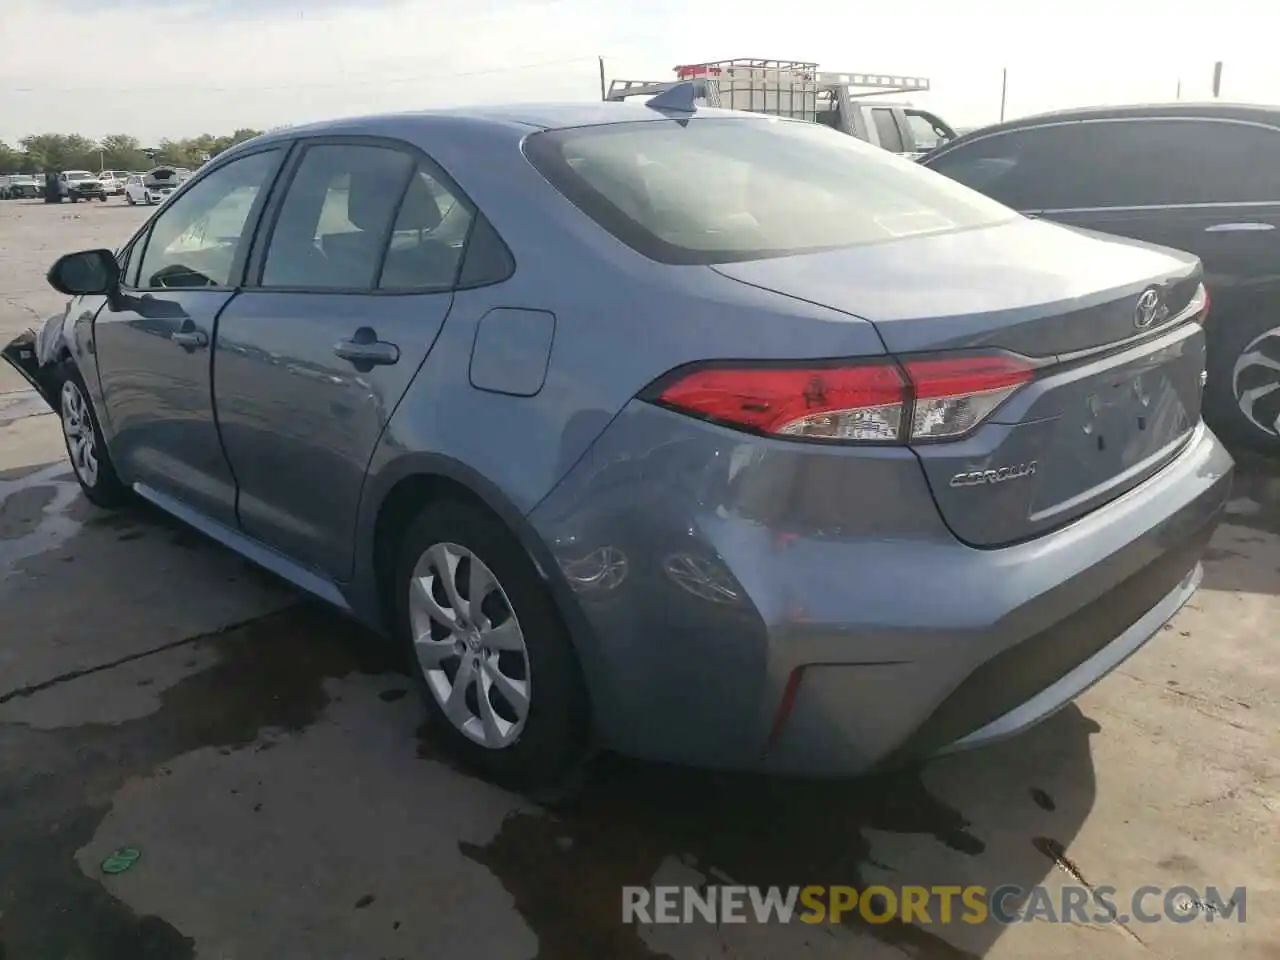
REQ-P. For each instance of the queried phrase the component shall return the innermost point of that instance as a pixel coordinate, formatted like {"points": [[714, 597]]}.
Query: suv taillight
{"points": [[1202, 299], [878, 402]]}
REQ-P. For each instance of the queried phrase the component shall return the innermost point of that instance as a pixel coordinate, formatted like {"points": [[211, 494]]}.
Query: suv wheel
{"points": [[85, 446], [1244, 381], [487, 649]]}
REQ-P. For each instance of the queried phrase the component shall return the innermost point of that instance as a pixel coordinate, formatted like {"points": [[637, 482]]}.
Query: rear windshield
{"points": [[723, 190]]}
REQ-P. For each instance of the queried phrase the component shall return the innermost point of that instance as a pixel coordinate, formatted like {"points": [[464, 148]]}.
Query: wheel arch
{"points": [[403, 489]]}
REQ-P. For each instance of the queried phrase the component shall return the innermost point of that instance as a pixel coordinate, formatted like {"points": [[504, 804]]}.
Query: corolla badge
{"points": [[977, 478], [1149, 309]]}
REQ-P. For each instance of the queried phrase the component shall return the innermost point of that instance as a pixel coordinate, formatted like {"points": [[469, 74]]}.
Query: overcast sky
{"points": [[162, 68]]}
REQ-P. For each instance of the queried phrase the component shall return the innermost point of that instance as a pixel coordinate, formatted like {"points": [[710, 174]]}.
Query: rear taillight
{"points": [[954, 395], [881, 402], [1200, 303]]}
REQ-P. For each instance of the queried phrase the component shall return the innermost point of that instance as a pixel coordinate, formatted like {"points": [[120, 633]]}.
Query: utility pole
{"points": [[1178, 95], [1217, 79], [603, 94], [1004, 89]]}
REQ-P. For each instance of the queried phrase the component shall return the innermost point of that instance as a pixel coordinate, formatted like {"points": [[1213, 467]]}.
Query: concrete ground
{"points": [[263, 755]]}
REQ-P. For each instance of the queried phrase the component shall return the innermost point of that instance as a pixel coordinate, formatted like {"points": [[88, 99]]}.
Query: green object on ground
{"points": [[121, 860]]}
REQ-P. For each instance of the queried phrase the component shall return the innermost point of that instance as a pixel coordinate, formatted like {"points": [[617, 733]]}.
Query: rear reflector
{"points": [[881, 402]]}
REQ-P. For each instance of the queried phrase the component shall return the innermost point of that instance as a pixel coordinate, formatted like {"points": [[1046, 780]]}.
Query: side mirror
{"points": [[86, 273]]}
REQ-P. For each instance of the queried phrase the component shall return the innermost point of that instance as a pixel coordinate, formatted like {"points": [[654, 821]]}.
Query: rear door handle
{"points": [[1245, 227], [364, 349], [190, 339]]}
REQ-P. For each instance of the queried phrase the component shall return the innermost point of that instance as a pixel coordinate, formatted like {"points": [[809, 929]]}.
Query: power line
{"points": [[337, 84]]}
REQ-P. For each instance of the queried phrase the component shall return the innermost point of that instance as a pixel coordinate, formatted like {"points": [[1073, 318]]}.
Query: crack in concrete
{"points": [[33, 688]]}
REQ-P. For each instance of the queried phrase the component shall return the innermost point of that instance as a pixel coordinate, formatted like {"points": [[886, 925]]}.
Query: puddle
{"points": [[566, 868], [55, 489], [269, 678]]}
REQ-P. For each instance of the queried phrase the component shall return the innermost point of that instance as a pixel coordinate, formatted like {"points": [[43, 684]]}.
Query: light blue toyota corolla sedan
{"points": [[703, 436]]}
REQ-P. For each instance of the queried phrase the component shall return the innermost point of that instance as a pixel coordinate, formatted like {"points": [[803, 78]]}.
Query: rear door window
{"points": [[1177, 162], [336, 219], [1121, 163], [428, 237]]}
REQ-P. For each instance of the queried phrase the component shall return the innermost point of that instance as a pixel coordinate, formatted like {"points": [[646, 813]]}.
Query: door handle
{"points": [[364, 349], [1245, 227], [190, 339]]}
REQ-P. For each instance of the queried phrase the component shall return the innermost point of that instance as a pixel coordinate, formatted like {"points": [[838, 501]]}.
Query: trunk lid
{"points": [[1114, 397]]}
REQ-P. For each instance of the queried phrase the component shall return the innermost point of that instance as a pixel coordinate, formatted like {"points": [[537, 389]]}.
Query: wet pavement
{"points": [[265, 757]]}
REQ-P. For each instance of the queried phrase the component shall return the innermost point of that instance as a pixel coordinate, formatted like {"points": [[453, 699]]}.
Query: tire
{"points": [[1242, 398], [92, 464], [130, 201], [103, 198], [539, 749], [73, 198]]}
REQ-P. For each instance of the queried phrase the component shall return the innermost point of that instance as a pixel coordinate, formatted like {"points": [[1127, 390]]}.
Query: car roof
{"points": [[523, 117], [1212, 110]]}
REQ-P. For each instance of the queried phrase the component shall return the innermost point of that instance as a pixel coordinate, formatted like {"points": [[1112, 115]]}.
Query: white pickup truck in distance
{"points": [[797, 89]]}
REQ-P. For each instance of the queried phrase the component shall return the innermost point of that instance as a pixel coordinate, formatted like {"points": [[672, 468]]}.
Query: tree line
{"points": [[42, 152]]}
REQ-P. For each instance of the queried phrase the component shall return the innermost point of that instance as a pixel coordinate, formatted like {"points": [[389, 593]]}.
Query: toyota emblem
{"points": [[1148, 309]]}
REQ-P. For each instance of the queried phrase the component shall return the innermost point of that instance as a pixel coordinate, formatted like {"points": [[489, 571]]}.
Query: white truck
{"points": [[798, 89]]}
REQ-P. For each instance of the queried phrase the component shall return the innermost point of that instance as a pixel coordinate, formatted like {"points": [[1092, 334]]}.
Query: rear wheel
{"points": [[487, 649], [85, 447], [1243, 397]]}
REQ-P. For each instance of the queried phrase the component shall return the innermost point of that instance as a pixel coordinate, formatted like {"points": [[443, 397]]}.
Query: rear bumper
{"points": [[757, 605]]}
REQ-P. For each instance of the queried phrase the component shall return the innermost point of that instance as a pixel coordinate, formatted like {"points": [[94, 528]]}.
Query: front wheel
{"points": [[487, 649], [129, 200], [85, 447], [103, 198]]}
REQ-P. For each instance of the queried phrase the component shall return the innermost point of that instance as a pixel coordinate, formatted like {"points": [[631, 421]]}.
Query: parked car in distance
{"points": [[81, 185], [822, 462], [20, 187], [113, 182], [138, 190], [157, 184], [1214, 191]]}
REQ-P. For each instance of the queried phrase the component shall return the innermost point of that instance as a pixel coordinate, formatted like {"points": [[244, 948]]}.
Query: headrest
{"points": [[419, 211], [367, 204]]}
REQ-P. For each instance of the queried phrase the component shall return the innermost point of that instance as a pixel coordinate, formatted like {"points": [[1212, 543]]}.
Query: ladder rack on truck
{"points": [[799, 90]]}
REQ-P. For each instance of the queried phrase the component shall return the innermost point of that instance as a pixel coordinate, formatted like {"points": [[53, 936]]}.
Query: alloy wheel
{"points": [[77, 427], [469, 645], [1255, 382]]}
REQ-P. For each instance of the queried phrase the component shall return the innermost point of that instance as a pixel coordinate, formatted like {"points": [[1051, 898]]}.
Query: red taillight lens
{"points": [[937, 399], [829, 403], [954, 395]]}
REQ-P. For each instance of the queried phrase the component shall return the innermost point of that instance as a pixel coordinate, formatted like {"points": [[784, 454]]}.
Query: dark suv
{"points": [[1204, 178]]}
